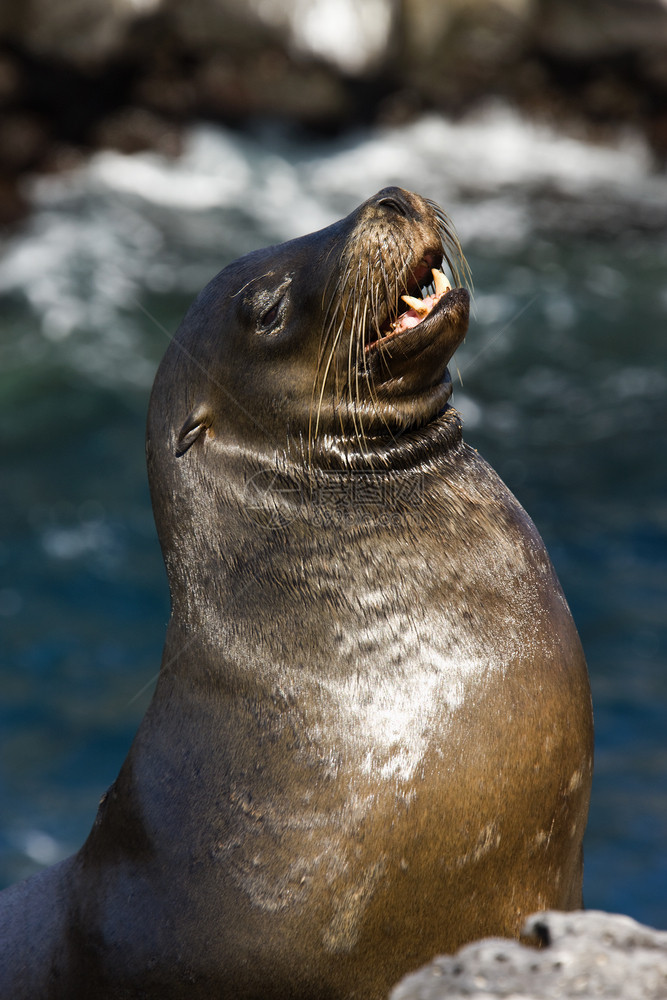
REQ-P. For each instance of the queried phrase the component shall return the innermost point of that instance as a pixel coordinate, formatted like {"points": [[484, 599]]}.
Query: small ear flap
{"points": [[197, 421]]}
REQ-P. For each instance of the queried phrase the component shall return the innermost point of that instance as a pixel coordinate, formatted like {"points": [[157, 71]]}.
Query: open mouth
{"points": [[429, 288]]}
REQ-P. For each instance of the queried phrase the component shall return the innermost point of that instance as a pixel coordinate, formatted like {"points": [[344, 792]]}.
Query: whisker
{"points": [[452, 250], [360, 303], [333, 314]]}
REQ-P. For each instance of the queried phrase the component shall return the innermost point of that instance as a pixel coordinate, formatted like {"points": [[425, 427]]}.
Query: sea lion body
{"points": [[371, 738]]}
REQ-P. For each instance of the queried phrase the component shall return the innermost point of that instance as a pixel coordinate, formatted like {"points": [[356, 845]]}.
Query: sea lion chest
{"points": [[377, 698]]}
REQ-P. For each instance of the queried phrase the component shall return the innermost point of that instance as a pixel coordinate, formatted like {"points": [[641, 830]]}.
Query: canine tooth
{"points": [[440, 281], [418, 305]]}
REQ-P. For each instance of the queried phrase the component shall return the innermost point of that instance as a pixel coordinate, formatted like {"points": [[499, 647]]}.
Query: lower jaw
{"points": [[402, 410], [392, 431]]}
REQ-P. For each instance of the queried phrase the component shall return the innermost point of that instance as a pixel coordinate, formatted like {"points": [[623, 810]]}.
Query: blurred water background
{"points": [[562, 383]]}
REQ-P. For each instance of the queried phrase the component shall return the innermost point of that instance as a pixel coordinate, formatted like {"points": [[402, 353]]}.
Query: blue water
{"points": [[564, 390]]}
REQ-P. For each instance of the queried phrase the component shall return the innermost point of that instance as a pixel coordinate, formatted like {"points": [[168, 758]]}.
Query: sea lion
{"points": [[371, 737]]}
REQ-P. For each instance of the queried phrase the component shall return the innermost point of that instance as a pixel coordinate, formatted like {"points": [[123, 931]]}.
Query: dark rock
{"points": [[270, 84], [82, 32], [24, 138], [10, 79], [600, 28], [132, 130], [14, 205], [457, 51], [84, 73]]}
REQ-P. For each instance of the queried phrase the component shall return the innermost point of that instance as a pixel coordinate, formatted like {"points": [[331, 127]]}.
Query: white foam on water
{"points": [[211, 173], [91, 537], [41, 847], [124, 225]]}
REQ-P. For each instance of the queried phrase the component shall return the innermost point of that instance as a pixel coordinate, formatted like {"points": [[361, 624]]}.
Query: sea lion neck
{"points": [[238, 489]]}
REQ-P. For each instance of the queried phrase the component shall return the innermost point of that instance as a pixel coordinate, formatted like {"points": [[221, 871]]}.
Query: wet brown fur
{"points": [[371, 737]]}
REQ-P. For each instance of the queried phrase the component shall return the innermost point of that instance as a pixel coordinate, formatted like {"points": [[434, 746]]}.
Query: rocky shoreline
{"points": [[83, 74]]}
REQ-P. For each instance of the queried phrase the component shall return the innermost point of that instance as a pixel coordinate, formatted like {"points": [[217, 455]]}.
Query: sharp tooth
{"points": [[441, 282], [418, 305]]}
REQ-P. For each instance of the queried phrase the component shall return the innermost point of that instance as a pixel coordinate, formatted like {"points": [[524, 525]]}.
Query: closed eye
{"points": [[271, 315], [271, 319], [270, 306]]}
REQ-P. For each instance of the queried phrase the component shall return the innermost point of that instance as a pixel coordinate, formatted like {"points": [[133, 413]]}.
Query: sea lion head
{"points": [[336, 343]]}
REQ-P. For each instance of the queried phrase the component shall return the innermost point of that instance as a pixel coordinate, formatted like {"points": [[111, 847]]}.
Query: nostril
{"points": [[392, 200]]}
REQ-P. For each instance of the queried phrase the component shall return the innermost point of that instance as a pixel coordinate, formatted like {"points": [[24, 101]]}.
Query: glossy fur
{"points": [[371, 739]]}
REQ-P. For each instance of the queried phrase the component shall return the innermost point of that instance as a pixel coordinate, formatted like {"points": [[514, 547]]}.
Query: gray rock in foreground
{"points": [[585, 954]]}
